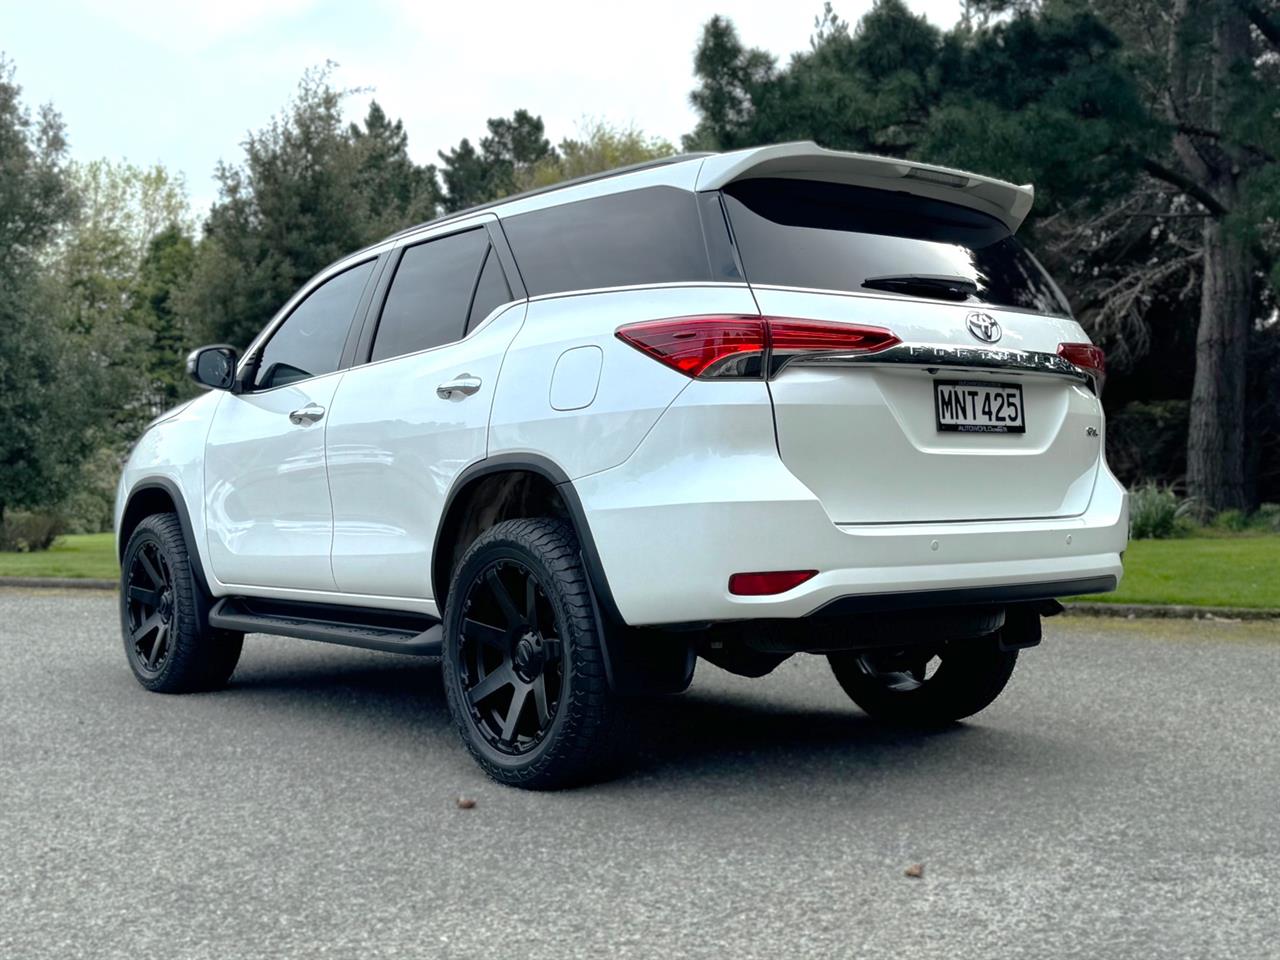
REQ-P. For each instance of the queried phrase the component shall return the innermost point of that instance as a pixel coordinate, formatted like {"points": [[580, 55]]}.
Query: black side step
{"points": [[391, 631]]}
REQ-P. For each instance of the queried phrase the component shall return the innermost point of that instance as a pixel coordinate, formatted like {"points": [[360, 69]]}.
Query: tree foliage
{"points": [[163, 273], [311, 189], [597, 148], [507, 156], [42, 436]]}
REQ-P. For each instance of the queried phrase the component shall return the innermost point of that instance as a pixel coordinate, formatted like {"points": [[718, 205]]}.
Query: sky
{"points": [[182, 83]]}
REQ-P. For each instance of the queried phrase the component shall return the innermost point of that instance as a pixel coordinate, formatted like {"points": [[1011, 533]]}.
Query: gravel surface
{"points": [[1122, 799]]}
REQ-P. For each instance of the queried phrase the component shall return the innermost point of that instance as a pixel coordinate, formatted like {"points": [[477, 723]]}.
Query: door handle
{"points": [[464, 384], [311, 413]]}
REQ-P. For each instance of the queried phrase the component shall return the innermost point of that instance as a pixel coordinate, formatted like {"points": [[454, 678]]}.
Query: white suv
{"points": [[733, 406]]}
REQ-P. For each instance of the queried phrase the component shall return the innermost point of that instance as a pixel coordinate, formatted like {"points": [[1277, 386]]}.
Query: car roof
{"points": [[553, 188], [1007, 202]]}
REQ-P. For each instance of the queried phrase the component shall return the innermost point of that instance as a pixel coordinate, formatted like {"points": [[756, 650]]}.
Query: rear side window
{"points": [[491, 291], [832, 236], [652, 235], [430, 294], [309, 342]]}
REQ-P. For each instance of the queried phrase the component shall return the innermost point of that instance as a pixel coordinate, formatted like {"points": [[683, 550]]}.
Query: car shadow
{"points": [[708, 732]]}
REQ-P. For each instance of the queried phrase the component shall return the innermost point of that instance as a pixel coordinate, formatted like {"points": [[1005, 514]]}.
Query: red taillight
{"points": [[766, 584], [789, 337], [694, 345], [1089, 358], [746, 346]]}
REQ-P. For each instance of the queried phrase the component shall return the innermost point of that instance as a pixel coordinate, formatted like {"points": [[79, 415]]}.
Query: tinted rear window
{"points": [[430, 295], [651, 235], [491, 291], [831, 236]]}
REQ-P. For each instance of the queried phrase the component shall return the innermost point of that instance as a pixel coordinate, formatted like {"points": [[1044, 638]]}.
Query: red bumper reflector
{"points": [[768, 583]]}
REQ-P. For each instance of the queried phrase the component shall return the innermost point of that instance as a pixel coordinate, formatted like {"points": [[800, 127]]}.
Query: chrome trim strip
{"points": [[934, 357], [901, 297]]}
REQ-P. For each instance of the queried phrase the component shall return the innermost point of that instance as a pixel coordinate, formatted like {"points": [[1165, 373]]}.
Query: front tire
{"points": [[168, 642], [907, 687], [523, 662]]}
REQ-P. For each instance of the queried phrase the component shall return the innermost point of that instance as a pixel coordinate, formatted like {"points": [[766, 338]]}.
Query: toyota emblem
{"points": [[983, 326]]}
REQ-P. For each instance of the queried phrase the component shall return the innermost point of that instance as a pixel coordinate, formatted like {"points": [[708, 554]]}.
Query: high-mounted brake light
{"points": [[719, 347], [768, 583], [1089, 358]]}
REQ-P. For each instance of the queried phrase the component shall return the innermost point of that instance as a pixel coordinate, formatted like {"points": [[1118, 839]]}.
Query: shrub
{"points": [[1157, 513], [1268, 517], [89, 507], [1237, 521], [28, 531]]}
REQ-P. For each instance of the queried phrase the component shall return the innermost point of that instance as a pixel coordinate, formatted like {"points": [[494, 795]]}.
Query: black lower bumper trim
{"points": [[965, 597]]}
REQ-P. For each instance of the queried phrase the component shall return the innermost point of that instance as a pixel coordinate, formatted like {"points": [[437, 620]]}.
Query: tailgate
{"points": [[868, 437]]}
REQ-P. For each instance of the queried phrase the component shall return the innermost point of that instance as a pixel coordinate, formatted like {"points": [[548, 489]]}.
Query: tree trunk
{"points": [[1215, 440], [1215, 443]]}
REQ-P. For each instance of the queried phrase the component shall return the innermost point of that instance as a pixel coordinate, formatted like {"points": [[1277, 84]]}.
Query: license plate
{"points": [[974, 406]]}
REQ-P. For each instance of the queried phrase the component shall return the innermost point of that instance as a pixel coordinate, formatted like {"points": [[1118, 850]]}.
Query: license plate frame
{"points": [[985, 418]]}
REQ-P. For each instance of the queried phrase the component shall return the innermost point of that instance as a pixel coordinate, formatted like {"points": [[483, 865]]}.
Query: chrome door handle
{"points": [[464, 384], [311, 413]]}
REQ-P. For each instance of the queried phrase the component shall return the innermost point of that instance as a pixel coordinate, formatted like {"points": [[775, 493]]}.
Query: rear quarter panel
{"points": [[632, 389]]}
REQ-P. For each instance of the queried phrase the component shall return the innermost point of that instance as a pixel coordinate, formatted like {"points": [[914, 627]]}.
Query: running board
{"points": [[390, 631]]}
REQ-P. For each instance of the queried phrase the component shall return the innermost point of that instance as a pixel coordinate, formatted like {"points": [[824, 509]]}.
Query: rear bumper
{"points": [[674, 521], [965, 597]]}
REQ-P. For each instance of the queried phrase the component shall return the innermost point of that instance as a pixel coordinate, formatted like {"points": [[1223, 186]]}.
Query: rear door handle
{"points": [[464, 384], [311, 413]]}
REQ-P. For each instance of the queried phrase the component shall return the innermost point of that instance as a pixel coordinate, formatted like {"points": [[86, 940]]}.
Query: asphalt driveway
{"points": [[1122, 799]]}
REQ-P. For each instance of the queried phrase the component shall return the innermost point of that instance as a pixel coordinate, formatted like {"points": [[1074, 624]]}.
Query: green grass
{"points": [[1203, 571], [1209, 571], [91, 555]]}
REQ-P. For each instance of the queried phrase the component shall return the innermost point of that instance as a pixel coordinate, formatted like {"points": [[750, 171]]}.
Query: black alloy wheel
{"points": [[926, 686], [510, 655], [163, 614], [524, 666], [149, 608]]}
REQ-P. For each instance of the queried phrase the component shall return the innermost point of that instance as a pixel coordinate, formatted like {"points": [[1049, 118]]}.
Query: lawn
{"points": [[1213, 571], [90, 555]]}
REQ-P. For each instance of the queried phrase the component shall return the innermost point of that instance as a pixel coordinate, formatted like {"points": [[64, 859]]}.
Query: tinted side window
{"points": [[429, 296], [491, 291], [309, 342], [832, 236], [651, 235]]}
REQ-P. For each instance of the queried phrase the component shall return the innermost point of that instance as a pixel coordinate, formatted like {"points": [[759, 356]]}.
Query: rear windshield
{"points": [[832, 236]]}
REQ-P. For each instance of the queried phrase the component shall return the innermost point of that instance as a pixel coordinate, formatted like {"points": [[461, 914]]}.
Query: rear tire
{"points": [[167, 639], [894, 686], [524, 667]]}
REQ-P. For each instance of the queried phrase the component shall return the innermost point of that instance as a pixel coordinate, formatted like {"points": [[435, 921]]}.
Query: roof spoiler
{"points": [[805, 160]]}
